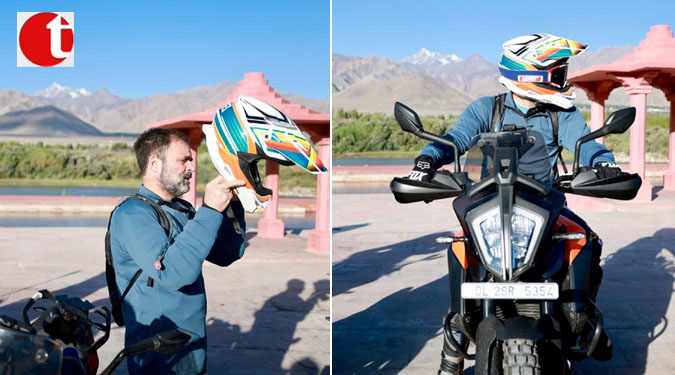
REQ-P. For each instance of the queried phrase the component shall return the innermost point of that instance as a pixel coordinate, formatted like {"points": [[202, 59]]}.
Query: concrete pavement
{"points": [[267, 313], [390, 285]]}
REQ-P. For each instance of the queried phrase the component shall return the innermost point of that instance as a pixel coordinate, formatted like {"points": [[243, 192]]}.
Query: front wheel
{"points": [[521, 358]]}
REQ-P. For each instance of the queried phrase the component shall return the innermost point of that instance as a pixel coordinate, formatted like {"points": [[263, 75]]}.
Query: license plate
{"points": [[509, 291]]}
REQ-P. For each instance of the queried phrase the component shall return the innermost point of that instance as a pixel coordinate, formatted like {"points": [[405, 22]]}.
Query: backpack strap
{"points": [[161, 215], [553, 115], [229, 212], [497, 112], [131, 283], [165, 224]]}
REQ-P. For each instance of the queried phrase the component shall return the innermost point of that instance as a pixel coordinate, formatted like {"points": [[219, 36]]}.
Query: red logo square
{"points": [[45, 39]]}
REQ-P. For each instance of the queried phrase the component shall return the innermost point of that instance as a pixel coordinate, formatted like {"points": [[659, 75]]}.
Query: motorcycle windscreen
{"points": [[24, 353], [535, 162]]}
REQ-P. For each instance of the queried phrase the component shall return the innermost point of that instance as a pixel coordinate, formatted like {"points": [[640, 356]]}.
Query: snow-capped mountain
{"points": [[56, 91], [372, 84], [426, 57], [474, 75], [111, 114]]}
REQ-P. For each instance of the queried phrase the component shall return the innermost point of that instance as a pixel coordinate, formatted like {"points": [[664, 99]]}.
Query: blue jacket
{"points": [[477, 117], [177, 299]]}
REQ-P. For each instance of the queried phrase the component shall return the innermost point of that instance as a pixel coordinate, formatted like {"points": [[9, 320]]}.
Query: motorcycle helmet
{"points": [[535, 66], [247, 130]]}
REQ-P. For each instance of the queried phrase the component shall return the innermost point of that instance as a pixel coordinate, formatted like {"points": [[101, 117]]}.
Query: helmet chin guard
{"points": [[563, 100], [248, 130]]}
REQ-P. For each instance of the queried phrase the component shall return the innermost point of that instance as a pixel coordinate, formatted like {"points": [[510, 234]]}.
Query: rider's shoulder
{"points": [[485, 101], [570, 113], [481, 106], [133, 208]]}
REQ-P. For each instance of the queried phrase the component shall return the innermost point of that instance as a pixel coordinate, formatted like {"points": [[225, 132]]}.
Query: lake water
{"points": [[372, 161], [362, 188], [390, 161], [76, 191], [294, 223]]}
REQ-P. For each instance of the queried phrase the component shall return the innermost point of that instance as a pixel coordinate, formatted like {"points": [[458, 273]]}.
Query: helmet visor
{"points": [[558, 75]]}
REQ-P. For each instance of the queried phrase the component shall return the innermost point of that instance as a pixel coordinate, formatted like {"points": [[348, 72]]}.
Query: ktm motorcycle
{"points": [[61, 340], [519, 269]]}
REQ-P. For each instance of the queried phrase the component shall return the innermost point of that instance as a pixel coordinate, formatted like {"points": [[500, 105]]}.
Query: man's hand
{"points": [[606, 170], [218, 193], [423, 170]]}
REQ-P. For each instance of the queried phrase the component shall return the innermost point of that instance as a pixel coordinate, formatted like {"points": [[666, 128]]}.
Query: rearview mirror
{"points": [[407, 119], [619, 121]]}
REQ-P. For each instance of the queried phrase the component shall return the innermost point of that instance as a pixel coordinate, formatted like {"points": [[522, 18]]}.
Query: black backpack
{"points": [[113, 291], [498, 113]]}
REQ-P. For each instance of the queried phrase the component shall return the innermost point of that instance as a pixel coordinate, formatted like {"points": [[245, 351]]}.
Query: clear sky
{"points": [[396, 29], [141, 48]]}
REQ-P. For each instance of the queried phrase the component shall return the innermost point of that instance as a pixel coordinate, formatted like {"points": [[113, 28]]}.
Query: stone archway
{"points": [[650, 65]]}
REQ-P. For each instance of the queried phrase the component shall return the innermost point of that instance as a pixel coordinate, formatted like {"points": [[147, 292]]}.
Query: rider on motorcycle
{"points": [[534, 70]]}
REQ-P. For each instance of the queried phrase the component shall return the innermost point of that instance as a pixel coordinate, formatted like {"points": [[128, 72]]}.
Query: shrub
{"points": [[355, 132]]}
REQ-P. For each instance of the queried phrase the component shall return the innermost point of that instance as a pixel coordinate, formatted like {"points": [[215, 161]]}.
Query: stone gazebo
{"points": [[317, 125], [650, 65]]}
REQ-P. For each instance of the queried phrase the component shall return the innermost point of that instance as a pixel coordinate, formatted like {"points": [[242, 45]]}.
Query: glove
{"points": [[606, 170], [423, 170]]}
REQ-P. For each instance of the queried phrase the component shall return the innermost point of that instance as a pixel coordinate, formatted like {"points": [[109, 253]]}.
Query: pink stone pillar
{"points": [[195, 135], [319, 237], [270, 226], [597, 116], [669, 176], [638, 136]]}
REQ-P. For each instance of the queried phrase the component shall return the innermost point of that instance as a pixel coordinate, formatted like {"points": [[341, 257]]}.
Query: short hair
{"points": [[155, 141]]}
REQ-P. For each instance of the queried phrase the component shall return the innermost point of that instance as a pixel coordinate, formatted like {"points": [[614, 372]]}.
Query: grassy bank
{"points": [[355, 132], [377, 154], [376, 135], [110, 166]]}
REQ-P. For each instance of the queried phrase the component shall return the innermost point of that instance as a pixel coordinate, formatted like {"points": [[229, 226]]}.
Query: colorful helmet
{"points": [[248, 130], [535, 66]]}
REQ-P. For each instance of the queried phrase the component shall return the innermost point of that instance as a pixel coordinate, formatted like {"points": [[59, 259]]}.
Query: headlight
{"points": [[525, 230], [488, 230], [523, 223]]}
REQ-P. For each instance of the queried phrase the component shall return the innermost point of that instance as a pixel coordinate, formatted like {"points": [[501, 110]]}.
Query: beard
{"points": [[174, 183]]}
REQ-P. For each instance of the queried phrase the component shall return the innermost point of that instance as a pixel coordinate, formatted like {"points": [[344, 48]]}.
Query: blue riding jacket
{"points": [[477, 118], [176, 297]]}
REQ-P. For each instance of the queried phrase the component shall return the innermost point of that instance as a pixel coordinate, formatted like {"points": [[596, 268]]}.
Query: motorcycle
{"points": [[519, 270], [61, 339]]}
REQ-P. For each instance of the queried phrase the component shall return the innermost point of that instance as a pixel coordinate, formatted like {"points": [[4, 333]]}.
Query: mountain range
{"points": [[108, 113], [373, 84], [46, 121], [436, 83]]}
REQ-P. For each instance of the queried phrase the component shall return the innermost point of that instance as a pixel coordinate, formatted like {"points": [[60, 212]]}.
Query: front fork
{"points": [[491, 329], [455, 344]]}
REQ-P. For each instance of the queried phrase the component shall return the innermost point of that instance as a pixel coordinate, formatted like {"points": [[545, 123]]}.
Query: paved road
{"points": [[390, 286], [266, 313]]}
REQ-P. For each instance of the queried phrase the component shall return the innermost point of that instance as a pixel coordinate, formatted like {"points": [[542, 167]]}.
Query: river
{"points": [[293, 222]]}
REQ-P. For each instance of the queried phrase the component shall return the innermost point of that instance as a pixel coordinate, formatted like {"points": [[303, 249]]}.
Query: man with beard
{"points": [[169, 293]]}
